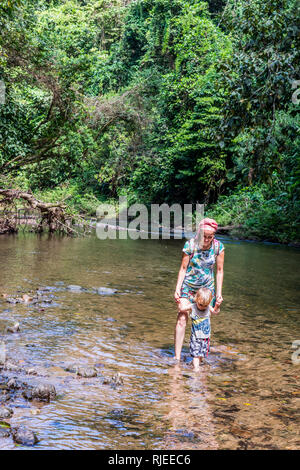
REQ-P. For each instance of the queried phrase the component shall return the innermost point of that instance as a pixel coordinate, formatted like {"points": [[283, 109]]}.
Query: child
{"points": [[200, 315]]}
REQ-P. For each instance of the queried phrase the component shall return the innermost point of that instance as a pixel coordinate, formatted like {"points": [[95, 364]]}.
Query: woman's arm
{"points": [[182, 271], [220, 275]]}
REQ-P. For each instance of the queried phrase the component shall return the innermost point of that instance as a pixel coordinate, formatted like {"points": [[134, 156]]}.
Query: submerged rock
{"points": [[31, 371], [115, 381], [75, 288], [82, 371], [105, 291], [13, 367], [11, 300], [13, 329], [40, 392], [42, 290], [27, 298], [44, 392], [241, 431], [72, 368], [4, 397], [6, 413], [87, 372], [24, 436], [4, 432], [222, 414], [13, 384]]}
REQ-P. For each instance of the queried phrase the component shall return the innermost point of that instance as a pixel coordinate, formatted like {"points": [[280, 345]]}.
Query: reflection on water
{"points": [[245, 396]]}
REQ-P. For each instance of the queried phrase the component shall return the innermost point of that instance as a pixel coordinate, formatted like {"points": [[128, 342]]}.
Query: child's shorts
{"points": [[199, 347]]}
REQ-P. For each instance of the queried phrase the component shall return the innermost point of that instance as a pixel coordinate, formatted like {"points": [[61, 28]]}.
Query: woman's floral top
{"points": [[200, 271]]}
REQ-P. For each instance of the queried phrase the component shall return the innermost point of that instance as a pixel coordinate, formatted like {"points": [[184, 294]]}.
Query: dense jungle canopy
{"points": [[159, 100]]}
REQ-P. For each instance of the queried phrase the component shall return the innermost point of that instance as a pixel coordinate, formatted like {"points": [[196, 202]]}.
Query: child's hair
{"points": [[203, 295]]}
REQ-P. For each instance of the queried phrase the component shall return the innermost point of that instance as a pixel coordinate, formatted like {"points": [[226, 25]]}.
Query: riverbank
{"points": [[29, 223], [250, 213]]}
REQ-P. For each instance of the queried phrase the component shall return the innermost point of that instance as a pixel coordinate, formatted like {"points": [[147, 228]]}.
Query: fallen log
{"points": [[52, 215]]}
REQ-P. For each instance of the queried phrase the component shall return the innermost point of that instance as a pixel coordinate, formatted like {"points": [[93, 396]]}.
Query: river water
{"points": [[246, 396]]}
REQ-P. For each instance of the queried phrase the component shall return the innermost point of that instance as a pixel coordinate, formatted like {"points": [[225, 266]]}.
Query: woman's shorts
{"points": [[199, 347], [189, 294]]}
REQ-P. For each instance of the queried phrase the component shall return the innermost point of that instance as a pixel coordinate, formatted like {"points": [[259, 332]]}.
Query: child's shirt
{"points": [[200, 322]]}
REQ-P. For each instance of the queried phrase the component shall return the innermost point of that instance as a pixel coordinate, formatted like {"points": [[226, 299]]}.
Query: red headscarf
{"points": [[206, 224]]}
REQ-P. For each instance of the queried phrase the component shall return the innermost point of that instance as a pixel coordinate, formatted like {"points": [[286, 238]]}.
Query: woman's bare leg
{"points": [[180, 333]]}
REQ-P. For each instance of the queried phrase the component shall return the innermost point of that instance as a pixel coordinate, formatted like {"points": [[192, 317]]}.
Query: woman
{"points": [[200, 255]]}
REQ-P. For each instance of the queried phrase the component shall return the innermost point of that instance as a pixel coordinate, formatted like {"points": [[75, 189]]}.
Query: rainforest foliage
{"points": [[159, 100]]}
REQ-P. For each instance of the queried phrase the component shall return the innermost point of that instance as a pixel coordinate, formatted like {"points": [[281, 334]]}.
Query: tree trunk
{"points": [[52, 215]]}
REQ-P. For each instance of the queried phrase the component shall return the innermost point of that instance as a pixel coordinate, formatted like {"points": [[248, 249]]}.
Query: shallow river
{"points": [[245, 396]]}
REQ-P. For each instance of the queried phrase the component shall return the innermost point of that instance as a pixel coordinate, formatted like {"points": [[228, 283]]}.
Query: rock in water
{"points": [[4, 432], [6, 413], [82, 371], [13, 329], [72, 368], [13, 367], [106, 291], [74, 288], [11, 300], [13, 384], [117, 379], [24, 436], [43, 392], [87, 372], [26, 298]]}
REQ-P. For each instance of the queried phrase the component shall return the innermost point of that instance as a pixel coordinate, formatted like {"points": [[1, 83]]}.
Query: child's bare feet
{"points": [[196, 362]]}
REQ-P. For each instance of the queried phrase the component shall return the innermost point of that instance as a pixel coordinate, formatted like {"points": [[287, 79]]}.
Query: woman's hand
{"points": [[177, 296], [219, 300]]}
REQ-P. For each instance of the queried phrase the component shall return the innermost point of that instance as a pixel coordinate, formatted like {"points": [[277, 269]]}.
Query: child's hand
{"points": [[184, 310], [184, 306], [216, 308]]}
